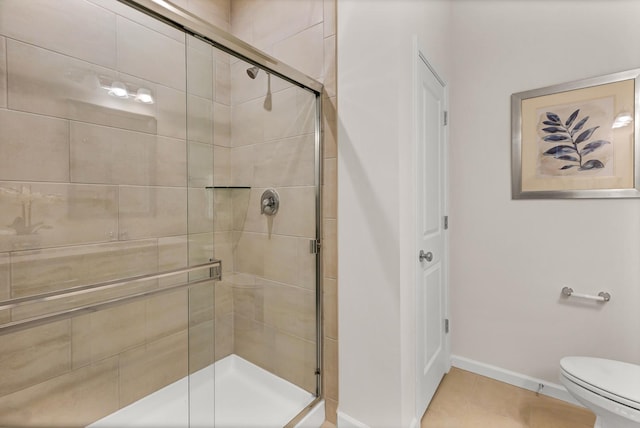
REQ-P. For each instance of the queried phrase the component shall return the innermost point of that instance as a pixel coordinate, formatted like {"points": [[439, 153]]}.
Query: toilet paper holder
{"points": [[601, 297]]}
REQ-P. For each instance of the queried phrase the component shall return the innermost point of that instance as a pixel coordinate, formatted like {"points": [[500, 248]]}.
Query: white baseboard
{"points": [[549, 389], [346, 421]]}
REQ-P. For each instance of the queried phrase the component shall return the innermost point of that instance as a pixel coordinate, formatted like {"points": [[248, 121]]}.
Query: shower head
{"points": [[253, 72]]}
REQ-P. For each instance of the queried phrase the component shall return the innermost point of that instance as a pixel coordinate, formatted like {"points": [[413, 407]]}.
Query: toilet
{"points": [[610, 389]]}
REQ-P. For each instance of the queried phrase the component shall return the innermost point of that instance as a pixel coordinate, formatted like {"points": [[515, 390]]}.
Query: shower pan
{"points": [[144, 278]]}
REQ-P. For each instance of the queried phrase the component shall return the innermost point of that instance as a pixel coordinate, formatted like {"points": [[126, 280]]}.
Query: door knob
{"points": [[425, 256]]}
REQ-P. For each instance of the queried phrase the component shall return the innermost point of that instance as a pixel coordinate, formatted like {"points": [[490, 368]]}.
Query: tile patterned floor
{"points": [[466, 400]]}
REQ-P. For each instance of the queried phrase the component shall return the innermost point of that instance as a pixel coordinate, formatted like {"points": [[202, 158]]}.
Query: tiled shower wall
{"points": [[302, 34], [94, 188], [263, 308]]}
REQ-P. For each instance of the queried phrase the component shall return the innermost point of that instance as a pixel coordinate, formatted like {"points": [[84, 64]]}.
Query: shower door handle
{"points": [[425, 256]]}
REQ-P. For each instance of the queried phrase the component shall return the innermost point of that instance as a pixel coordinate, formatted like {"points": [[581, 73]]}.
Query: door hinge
{"points": [[314, 246], [446, 222], [446, 325], [446, 118]]}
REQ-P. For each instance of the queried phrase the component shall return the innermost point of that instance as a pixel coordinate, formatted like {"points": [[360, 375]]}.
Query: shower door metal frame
{"points": [[177, 17]]}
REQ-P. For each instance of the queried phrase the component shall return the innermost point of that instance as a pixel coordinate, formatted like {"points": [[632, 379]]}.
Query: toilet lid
{"points": [[616, 380]]}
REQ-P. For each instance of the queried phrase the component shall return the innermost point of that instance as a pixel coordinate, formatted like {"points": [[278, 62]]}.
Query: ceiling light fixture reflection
{"points": [[125, 90], [118, 90], [144, 96], [622, 120]]}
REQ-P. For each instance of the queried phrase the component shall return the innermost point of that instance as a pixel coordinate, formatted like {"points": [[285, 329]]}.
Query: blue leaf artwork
{"points": [[567, 148]]}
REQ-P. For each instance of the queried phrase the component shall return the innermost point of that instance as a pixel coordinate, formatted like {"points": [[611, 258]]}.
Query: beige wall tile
{"points": [[114, 156], [202, 303], [329, 66], [147, 368], [290, 309], [150, 55], [304, 50], [330, 306], [61, 214], [92, 393], [247, 123], [277, 20], [241, 199], [35, 355], [281, 259], [45, 23], [214, 11], [221, 166], [201, 249], [330, 251], [4, 284], [297, 213], [330, 189], [255, 342], [108, 332], [69, 89], [170, 162], [141, 18], [223, 209], [166, 314], [248, 301], [3, 72], [222, 78], [331, 369], [223, 298], [201, 167], [242, 165], [34, 148], [288, 162], [200, 68], [201, 210], [221, 125], [331, 410], [329, 17], [171, 112], [152, 212], [224, 336], [172, 254], [224, 250], [329, 127], [201, 345], [39, 271], [242, 20], [290, 114], [296, 361], [199, 119], [249, 253]]}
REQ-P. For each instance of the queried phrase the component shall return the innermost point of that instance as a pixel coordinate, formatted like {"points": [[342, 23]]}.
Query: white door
{"points": [[430, 257]]}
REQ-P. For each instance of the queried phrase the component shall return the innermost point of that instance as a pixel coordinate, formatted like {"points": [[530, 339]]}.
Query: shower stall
{"points": [[159, 222]]}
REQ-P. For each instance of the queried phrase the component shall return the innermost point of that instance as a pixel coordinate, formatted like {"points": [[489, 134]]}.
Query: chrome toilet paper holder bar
{"points": [[601, 297]]}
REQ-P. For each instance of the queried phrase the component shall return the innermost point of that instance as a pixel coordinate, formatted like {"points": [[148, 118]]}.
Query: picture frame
{"points": [[577, 139]]}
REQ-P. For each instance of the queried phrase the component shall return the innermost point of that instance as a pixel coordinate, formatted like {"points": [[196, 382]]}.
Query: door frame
{"points": [[420, 59]]}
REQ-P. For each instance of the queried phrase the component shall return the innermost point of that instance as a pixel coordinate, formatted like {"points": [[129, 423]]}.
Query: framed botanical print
{"points": [[577, 140]]}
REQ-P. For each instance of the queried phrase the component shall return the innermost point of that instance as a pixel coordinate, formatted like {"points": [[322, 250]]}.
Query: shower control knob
{"points": [[425, 256]]}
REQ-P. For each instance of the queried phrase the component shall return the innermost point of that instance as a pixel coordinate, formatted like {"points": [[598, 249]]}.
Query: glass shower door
{"points": [[203, 319]]}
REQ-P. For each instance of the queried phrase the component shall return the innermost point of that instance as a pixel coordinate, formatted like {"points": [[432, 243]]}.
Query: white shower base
{"points": [[245, 396]]}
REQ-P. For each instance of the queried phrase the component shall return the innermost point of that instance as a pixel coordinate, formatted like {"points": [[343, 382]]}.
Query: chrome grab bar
{"points": [[83, 289], [215, 273], [601, 297]]}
